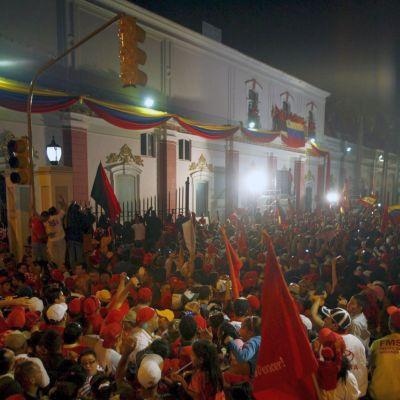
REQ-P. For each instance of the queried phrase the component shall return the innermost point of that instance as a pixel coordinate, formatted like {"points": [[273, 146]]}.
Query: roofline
{"points": [[177, 31]]}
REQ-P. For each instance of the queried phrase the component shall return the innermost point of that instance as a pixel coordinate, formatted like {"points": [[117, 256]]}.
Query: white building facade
{"points": [[190, 75]]}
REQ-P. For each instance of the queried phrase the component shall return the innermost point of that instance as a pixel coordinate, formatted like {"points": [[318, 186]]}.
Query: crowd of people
{"points": [[108, 311]]}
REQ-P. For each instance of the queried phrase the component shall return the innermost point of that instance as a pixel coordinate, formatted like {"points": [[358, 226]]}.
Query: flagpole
{"points": [[316, 386], [235, 289]]}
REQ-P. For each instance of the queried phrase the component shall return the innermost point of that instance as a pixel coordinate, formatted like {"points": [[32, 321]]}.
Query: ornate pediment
{"points": [[201, 165], [309, 177], [124, 156]]}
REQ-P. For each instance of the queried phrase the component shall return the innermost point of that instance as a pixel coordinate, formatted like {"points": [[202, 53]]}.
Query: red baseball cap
{"points": [[145, 295], [110, 333], [90, 305], [145, 314], [75, 306], [254, 302], [394, 313], [16, 318]]}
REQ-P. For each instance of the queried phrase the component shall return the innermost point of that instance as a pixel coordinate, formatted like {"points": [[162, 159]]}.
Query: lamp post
{"points": [[54, 152]]}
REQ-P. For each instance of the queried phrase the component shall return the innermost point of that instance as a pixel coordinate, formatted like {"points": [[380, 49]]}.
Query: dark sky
{"points": [[346, 47]]}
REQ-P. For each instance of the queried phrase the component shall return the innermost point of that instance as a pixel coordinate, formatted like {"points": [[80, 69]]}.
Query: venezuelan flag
{"points": [[394, 213], [368, 201], [294, 135]]}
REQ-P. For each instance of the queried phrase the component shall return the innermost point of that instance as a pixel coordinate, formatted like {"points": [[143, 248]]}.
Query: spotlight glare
{"points": [[332, 197], [348, 149], [252, 124], [148, 102]]}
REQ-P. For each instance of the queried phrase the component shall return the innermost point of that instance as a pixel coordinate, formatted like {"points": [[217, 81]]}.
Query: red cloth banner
{"points": [[286, 362]]}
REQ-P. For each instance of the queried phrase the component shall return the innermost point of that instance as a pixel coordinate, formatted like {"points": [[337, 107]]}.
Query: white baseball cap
{"points": [[149, 373], [35, 304], [56, 312]]}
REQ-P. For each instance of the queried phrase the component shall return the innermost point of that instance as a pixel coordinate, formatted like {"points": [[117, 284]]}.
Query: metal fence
{"points": [[175, 203]]}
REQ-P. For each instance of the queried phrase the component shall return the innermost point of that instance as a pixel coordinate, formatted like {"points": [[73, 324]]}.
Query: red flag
{"points": [[385, 219], [103, 194], [234, 266], [286, 362]]}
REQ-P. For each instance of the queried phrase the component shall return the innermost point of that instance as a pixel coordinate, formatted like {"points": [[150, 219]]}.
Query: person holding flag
{"points": [[286, 365]]}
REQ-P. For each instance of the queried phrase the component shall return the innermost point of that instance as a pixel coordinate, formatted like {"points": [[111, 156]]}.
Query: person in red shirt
{"points": [[39, 237]]}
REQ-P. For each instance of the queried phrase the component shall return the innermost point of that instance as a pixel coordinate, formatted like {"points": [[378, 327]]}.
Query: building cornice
{"points": [[178, 32]]}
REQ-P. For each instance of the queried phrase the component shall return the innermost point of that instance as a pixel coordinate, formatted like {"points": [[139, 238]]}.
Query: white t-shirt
{"points": [[140, 231], [54, 227], [45, 380], [355, 352], [359, 328], [108, 358], [143, 340], [345, 390]]}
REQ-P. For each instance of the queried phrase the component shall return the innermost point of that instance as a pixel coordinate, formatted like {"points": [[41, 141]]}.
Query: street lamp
{"points": [[53, 151]]}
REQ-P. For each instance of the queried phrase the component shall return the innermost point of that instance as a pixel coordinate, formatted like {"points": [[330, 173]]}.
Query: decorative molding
{"points": [[124, 156], [309, 177], [201, 165]]}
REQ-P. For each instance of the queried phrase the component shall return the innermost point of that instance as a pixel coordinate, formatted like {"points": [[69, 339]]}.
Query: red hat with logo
{"points": [[145, 295], [145, 314]]}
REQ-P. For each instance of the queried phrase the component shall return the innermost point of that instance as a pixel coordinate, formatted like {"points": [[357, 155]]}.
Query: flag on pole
{"points": [[286, 363], [368, 201], [103, 194], [234, 266]]}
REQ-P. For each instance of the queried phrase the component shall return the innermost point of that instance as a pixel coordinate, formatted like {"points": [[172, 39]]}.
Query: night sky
{"points": [[346, 47]]}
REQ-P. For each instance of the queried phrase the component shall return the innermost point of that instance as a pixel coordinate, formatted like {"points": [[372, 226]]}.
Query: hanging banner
{"points": [[127, 117], [14, 96], [260, 136], [207, 131]]}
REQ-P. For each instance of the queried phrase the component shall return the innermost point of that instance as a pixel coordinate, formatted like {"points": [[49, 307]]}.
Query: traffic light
{"points": [[18, 161], [130, 55]]}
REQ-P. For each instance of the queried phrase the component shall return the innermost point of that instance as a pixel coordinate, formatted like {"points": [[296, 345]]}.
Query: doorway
{"points": [[201, 198]]}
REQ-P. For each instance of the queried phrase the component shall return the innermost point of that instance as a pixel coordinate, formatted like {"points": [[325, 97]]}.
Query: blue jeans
{"points": [[75, 253]]}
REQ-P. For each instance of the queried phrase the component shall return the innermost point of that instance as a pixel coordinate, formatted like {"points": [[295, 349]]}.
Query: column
{"points": [[75, 154], [299, 184], [166, 171], [320, 184], [231, 178], [272, 163]]}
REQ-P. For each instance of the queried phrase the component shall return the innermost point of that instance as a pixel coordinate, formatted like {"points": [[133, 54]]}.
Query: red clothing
{"points": [[72, 352], [45, 327], [202, 387], [38, 231]]}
